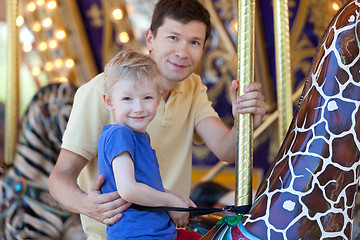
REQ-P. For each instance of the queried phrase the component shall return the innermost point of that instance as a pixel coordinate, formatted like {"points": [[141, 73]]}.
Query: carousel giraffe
{"points": [[310, 190]]}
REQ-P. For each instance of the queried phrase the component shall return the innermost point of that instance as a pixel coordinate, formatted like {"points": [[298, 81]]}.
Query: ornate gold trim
{"points": [[78, 42], [283, 66], [12, 82]]}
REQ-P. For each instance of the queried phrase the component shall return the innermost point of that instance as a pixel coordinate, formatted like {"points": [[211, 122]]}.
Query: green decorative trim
{"points": [[230, 220]]}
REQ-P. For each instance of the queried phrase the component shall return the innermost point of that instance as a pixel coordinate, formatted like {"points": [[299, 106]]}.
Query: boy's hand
{"points": [[180, 219], [187, 200], [105, 208]]}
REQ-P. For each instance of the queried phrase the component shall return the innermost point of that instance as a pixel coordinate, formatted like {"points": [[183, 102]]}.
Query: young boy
{"points": [[125, 156]]}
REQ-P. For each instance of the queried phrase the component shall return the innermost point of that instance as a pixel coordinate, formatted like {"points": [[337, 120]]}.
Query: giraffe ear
{"points": [[107, 101]]}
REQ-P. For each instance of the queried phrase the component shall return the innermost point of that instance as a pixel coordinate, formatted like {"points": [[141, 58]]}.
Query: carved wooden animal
{"points": [[309, 192]]}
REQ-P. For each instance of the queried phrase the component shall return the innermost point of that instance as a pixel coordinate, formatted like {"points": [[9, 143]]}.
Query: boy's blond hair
{"points": [[132, 65]]}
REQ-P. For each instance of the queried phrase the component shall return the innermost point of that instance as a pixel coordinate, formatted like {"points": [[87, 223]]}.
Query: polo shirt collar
{"points": [[179, 87]]}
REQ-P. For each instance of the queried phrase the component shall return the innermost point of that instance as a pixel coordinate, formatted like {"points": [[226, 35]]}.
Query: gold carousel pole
{"points": [[244, 124], [12, 82], [283, 67]]}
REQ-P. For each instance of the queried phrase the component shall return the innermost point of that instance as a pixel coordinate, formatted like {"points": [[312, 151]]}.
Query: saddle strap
{"points": [[197, 211]]}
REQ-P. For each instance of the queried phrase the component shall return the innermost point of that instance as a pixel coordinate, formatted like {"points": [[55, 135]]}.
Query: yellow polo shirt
{"points": [[171, 131]]}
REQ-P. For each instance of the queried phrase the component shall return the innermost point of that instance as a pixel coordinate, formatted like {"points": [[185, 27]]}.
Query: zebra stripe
{"points": [[27, 209]]}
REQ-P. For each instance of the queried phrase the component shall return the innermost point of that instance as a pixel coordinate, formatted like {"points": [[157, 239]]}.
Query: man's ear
{"points": [[107, 101], [149, 38]]}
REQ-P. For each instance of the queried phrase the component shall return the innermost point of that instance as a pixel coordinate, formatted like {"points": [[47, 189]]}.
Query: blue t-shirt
{"points": [[134, 224]]}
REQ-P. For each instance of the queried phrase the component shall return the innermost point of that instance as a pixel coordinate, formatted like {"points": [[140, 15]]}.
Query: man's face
{"points": [[177, 48]]}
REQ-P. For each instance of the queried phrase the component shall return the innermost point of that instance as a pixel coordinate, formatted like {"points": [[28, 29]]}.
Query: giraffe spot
{"points": [[279, 217], [320, 130], [339, 121], [345, 151], [355, 69], [304, 166], [315, 201], [307, 116], [332, 222], [320, 147], [336, 183], [352, 91], [304, 228], [289, 205], [332, 106], [328, 42], [351, 18], [348, 49]]}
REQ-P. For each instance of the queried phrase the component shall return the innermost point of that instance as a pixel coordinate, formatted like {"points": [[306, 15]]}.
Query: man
{"points": [[176, 41]]}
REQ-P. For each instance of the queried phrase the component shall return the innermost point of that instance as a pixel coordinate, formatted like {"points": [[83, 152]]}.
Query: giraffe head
{"points": [[309, 192]]}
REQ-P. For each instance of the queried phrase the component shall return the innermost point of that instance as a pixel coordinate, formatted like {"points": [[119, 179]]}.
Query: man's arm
{"points": [[105, 208], [217, 136]]}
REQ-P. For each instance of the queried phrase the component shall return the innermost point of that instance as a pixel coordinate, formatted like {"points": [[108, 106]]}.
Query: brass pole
{"points": [[244, 124], [283, 67], [12, 82]]}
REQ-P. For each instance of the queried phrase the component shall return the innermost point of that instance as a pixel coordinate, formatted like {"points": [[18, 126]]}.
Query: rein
{"points": [[197, 211]]}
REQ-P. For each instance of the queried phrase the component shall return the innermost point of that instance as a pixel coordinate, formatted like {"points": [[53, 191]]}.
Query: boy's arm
{"points": [[105, 208], [187, 200], [141, 194], [132, 191]]}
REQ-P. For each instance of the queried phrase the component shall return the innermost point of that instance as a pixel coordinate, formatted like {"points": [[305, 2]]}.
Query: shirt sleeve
{"points": [[87, 117], [204, 107], [119, 141]]}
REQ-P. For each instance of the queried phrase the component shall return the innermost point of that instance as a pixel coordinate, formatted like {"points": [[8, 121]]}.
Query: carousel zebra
{"points": [[27, 209]]}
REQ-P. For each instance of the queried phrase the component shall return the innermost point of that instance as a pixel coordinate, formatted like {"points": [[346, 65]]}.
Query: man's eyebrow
{"points": [[194, 38], [172, 32], [198, 38]]}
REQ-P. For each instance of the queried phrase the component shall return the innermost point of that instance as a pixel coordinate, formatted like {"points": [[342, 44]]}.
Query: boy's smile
{"points": [[134, 103]]}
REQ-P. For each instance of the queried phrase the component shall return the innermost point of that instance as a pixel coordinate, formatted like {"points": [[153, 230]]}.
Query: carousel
{"points": [[295, 177]]}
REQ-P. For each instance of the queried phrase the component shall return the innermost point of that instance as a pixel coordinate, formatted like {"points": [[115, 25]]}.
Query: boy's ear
{"points": [[107, 101], [161, 94]]}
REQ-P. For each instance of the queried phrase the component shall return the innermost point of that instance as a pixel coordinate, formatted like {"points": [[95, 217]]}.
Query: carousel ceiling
{"points": [[69, 41], [73, 39]]}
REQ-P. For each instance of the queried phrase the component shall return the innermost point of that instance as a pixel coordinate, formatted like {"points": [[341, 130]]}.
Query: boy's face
{"points": [[134, 103], [177, 48]]}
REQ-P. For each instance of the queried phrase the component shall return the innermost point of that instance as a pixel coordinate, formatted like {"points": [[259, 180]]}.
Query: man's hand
{"points": [[252, 101], [105, 208]]}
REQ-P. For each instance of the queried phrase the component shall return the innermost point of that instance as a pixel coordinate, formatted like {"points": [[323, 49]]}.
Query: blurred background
{"points": [[71, 40]]}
